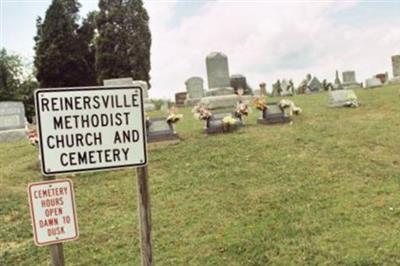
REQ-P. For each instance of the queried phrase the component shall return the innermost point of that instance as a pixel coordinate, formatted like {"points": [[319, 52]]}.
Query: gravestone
{"points": [[287, 88], [180, 98], [276, 89], [240, 81], [338, 84], [158, 130], [216, 124], [273, 115], [373, 83], [396, 69], [217, 70], [195, 90], [314, 85], [343, 98], [383, 77], [12, 121], [219, 94], [148, 105], [349, 80], [263, 89]]}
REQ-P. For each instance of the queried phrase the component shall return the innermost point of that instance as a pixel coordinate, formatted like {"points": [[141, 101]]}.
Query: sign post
{"points": [[95, 129], [144, 211], [56, 250]]}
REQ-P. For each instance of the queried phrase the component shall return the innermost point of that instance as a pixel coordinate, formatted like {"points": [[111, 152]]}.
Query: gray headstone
{"points": [[12, 115], [148, 105], [343, 98], [194, 87], [314, 85], [396, 65], [125, 81], [349, 77], [349, 80], [180, 98], [373, 82], [238, 81], [286, 89], [217, 70]]}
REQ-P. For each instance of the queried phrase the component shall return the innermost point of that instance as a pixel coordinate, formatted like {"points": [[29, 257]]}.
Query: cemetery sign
{"points": [[53, 211], [91, 128]]}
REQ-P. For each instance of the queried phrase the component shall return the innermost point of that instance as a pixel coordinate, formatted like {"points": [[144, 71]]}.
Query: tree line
{"points": [[112, 42]]}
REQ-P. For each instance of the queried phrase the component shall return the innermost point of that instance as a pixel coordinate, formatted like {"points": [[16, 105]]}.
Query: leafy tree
{"points": [[10, 73], [14, 85], [61, 52], [124, 41]]}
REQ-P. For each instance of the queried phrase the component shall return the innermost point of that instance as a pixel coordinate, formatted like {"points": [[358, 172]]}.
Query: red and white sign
{"points": [[53, 212]]}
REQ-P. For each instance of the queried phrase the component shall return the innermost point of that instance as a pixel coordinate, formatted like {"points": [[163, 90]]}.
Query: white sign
{"points": [[53, 213], [89, 129]]}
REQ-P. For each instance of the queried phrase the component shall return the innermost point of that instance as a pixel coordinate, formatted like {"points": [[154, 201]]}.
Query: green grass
{"points": [[323, 191]]}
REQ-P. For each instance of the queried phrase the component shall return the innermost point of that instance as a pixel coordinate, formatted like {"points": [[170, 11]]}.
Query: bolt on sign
{"points": [[52, 207], [91, 128]]}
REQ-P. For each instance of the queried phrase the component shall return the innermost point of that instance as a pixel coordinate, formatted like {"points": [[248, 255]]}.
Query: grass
{"points": [[323, 191]]}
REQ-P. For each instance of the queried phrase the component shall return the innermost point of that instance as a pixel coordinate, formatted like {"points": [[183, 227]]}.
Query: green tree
{"points": [[124, 41], [10, 73], [15, 85], [60, 58]]}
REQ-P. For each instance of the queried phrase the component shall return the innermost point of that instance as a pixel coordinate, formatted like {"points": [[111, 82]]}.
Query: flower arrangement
{"points": [[290, 106], [173, 116], [260, 104], [242, 109], [201, 112], [32, 136]]}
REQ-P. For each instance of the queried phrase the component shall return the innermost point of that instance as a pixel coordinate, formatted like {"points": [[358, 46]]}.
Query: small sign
{"points": [[53, 212], [91, 129]]}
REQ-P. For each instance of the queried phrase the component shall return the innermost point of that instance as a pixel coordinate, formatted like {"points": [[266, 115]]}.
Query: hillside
{"points": [[324, 190]]}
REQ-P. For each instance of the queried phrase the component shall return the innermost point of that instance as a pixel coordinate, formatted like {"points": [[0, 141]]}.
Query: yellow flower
{"points": [[229, 120]]}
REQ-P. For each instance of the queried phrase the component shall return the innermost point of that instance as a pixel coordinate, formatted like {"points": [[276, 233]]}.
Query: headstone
{"points": [[287, 88], [396, 69], [218, 81], [383, 77], [240, 81], [373, 82], [217, 124], [159, 130], [343, 98], [180, 98], [396, 65], [217, 70], [195, 90], [273, 115], [338, 84], [276, 89], [314, 85], [263, 89], [148, 105], [12, 121], [349, 80], [223, 101]]}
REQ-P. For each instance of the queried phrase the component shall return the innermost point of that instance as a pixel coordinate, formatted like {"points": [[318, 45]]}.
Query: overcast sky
{"points": [[264, 40]]}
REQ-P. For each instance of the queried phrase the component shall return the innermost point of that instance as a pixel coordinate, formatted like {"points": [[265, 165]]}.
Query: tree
{"points": [[15, 85], [61, 52], [124, 41], [10, 73], [87, 37]]}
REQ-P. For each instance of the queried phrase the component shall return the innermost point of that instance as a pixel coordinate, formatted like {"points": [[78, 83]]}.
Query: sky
{"points": [[264, 40]]}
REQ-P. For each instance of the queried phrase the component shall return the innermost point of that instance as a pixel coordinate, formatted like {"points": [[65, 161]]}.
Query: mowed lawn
{"points": [[323, 191]]}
